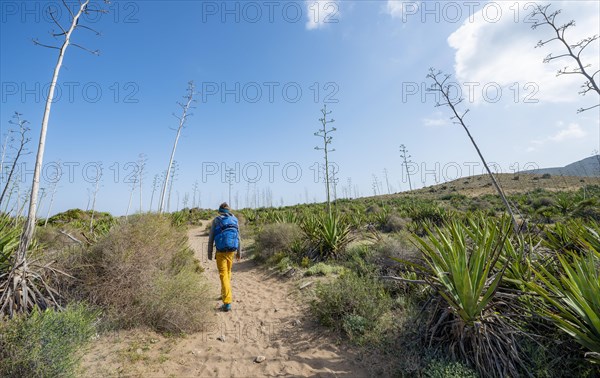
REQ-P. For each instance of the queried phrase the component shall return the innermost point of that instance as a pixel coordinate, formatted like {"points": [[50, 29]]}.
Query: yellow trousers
{"points": [[224, 264]]}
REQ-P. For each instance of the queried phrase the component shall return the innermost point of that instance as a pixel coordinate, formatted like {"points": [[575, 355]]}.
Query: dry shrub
{"points": [[143, 274], [398, 247], [54, 239], [389, 248], [395, 223], [373, 209], [277, 237], [543, 202]]}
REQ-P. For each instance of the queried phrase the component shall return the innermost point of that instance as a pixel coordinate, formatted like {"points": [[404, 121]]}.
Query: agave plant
{"points": [[515, 257], [178, 218], [334, 234], [575, 205], [467, 277], [573, 236], [310, 226], [24, 283], [427, 212], [565, 203], [286, 217], [328, 234], [249, 215], [380, 217], [268, 216], [461, 264], [9, 240], [516, 260], [357, 219], [572, 292]]}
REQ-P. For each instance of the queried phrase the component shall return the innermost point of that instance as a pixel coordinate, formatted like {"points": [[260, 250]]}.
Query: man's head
{"points": [[224, 208]]}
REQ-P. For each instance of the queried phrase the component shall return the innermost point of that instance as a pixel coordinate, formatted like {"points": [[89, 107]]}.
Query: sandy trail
{"points": [[268, 319]]}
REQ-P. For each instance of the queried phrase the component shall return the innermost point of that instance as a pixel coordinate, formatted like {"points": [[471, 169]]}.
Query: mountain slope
{"points": [[588, 167]]}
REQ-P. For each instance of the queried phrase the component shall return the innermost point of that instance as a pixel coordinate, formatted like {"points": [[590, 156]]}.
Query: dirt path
{"points": [[268, 319]]}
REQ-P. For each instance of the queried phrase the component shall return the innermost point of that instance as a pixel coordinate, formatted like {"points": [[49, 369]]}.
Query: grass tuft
{"points": [[46, 343]]}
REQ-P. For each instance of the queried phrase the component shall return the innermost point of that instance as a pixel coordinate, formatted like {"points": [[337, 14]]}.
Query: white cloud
{"points": [[321, 13], [435, 121], [572, 131], [496, 46], [400, 8]]}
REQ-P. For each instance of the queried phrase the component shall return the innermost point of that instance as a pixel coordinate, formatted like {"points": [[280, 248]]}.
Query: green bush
{"points": [[448, 369], [280, 261], [193, 216], [543, 202], [323, 269], [80, 220], [179, 218], [353, 304], [355, 325], [479, 204], [427, 212], [359, 258], [556, 356], [45, 344]]}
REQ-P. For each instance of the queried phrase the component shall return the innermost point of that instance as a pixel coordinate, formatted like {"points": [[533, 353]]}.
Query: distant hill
{"points": [[511, 183], [569, 178], [588, 167]]}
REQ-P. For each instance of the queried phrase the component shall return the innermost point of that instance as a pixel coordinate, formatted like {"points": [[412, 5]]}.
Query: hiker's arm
{"points": [[239, 250], [211, 240]]}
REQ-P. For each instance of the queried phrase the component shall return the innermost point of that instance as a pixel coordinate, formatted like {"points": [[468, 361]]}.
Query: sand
{"points": [[269, 319]]}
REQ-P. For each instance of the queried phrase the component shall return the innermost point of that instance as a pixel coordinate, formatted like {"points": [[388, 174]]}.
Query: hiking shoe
{"points": [[226, 307]]}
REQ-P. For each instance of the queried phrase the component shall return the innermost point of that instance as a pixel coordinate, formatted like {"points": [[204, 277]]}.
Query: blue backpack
{"points": [[226, 233]]}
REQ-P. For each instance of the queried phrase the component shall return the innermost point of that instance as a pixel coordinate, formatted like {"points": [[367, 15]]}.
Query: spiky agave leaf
{"points": [[23, 284], [328, 233], [333, 234], [572, 299], [462, 265], [9, 240], [573, 236], [462, 260]]}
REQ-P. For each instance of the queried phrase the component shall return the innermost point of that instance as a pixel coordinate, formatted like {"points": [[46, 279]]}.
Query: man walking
{"points": [[225, 235]]}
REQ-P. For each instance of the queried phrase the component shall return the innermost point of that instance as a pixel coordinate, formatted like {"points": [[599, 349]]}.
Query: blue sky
{"points": [[264, 70]]}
